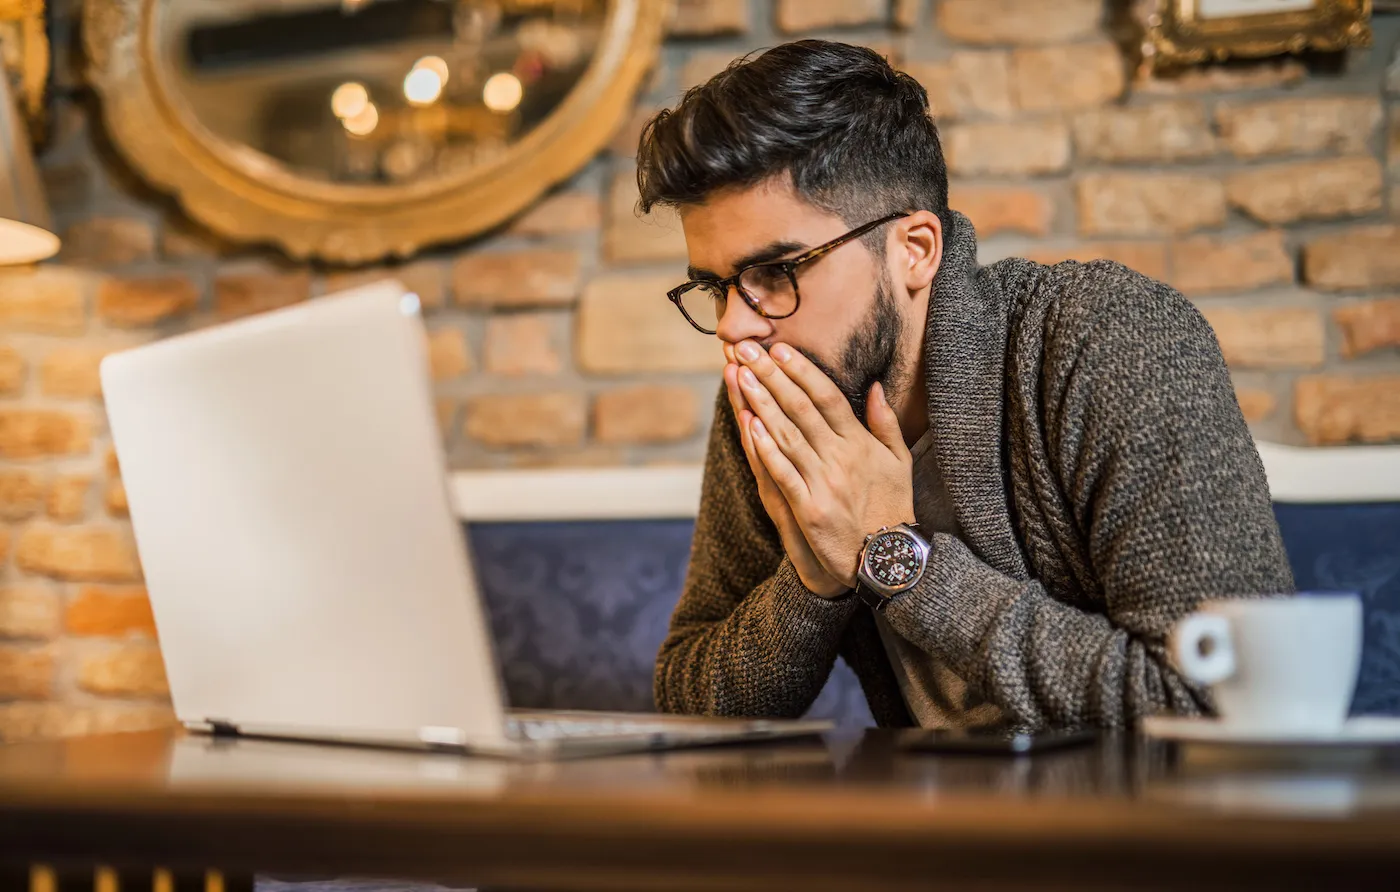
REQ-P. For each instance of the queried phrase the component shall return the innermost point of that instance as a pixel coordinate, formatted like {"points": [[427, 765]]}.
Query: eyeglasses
{"points": [[769, 288]]}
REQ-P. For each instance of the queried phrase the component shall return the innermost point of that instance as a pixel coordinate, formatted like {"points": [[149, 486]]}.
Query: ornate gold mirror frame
{"points": [[238, 194], [1186, 32]]}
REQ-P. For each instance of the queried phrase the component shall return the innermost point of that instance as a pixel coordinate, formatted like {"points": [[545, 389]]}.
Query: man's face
{"points": [[849, 322]]}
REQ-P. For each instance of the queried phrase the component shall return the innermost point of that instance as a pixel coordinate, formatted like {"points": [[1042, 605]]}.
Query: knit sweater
{"points": [[1104, 484]]}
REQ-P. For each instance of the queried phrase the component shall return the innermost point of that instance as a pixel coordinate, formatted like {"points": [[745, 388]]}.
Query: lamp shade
{"points": [[25, 235]]}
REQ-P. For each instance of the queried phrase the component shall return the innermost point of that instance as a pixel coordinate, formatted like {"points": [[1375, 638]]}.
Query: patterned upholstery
{"points": [[1355, 548], [579, 609]]}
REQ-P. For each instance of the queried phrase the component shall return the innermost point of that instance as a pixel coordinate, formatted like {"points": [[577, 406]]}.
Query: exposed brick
{"points": [[697, 18], [22, 494], [522, 344], [110, 463], [46, 299], [583, 457], [46, 721], [12, 371], [67, 499], [131, 670], [1030, 22], [446, 414], [243, 294], [1021, 148], [1369, 326], [145, 300], [1148, 258], [700, 66], [1162, 131], [1212, 264], [536, 277], [183, 239], [115, 499], [539, 419], [1228, 78], [1257, 405], [1268, 338], [1359, 259], [1309, 190], [39, 433], [906, 13], [628, 137], [1335, 409], [424, 278], [28, 613], [1392, 155], [630, 238], [447, 354], [26, 673], [1080, 75], [647, 414], [655, 337], [109, 241], [810, 15], [73, 372], [1339, 124], [995, 209], [85, 554], [967, 84], [1149, 204], [110, 612], [4, 545], [565, 213]]}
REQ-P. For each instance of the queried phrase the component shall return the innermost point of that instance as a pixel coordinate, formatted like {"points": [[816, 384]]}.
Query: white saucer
{"points": [[1360, 731]]}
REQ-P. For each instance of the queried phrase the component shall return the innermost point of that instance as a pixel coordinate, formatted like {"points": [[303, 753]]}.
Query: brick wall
{"points": [[1267, 192]]}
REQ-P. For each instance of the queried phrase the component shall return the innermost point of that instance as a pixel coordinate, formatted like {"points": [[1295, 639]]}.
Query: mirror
{"points": [[348, 130]]}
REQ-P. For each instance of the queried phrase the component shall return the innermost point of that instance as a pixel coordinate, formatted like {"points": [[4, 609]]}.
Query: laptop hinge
{"points": [[221, 727]]}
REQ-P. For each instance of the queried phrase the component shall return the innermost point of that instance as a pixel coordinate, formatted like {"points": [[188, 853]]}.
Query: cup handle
{"points": [[1202, 648]]}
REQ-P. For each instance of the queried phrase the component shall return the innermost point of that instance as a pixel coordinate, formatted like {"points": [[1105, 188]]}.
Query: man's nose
{"points": [[741, 321]]}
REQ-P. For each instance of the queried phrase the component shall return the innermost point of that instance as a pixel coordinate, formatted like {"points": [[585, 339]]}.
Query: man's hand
{"points": [[836, 480], [809, 569]]}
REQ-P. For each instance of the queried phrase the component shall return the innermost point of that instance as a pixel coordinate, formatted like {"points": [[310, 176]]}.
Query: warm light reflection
{"points": [[362, 124], [349, 100], [503, 92], [422, 86], [434, 64]]}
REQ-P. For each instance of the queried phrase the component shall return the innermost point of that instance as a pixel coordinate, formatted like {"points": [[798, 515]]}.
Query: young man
{"points": [[1066, 438]]}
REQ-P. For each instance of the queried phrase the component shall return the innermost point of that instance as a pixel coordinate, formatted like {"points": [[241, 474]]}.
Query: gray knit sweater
{"points": [[1104, 483]]}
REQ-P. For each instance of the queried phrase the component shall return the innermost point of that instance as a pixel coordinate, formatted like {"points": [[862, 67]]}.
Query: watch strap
{"points": [[873, 599]]}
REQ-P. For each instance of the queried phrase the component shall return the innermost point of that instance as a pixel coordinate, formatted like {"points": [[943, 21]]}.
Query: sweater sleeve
{"points": [[1147, 454], [747, 638]]}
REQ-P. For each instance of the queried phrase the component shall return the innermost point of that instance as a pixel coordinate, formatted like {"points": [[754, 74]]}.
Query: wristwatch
{"points": [[891, 561]]}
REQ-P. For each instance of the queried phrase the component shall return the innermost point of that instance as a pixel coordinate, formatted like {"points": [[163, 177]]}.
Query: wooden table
{"points": [[841, 812]]}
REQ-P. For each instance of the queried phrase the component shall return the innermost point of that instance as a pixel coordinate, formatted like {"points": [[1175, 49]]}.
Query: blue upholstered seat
{"points": [[579, 609]]}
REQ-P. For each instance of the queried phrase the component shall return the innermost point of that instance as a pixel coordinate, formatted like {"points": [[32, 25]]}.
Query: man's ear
{"points": [[920, 237]]}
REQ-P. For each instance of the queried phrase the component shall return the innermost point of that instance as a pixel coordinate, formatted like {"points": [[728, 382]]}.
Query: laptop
{"points": [[308, 575]]}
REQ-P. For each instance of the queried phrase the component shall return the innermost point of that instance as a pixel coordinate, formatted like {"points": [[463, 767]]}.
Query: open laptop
{"points": [[308, 575]]}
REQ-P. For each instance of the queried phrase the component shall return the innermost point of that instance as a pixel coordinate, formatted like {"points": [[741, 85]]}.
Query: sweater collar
{"points": [[965, 346]]}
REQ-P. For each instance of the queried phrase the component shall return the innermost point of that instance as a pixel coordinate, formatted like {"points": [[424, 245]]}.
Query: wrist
{"points": [[892, 561]]}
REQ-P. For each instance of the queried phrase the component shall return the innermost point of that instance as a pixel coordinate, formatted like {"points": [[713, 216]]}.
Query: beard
{"points": [[870, 354]]}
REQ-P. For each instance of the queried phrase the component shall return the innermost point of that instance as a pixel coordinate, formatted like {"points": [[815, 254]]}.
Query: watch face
{"points": [[892, 560]]}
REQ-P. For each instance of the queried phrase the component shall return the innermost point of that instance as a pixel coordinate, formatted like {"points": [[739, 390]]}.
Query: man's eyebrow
{"points": [[770, 251]]}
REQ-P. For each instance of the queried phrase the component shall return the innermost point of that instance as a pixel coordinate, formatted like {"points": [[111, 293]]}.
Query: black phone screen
{"points": [[1008, 743]]}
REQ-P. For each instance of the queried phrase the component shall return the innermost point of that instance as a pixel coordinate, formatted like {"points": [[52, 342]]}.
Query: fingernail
{"points": [[758, 429], [747, 379], [782, 353], [748, 351]]}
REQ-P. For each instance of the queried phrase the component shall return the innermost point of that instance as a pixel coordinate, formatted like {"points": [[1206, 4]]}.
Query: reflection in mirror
{"points": [[375, 91]]}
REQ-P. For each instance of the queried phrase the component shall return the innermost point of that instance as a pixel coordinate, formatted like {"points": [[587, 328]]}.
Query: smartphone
{"points": [[994, 743]]}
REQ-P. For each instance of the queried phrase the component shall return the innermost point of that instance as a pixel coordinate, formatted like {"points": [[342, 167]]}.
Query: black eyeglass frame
{"points": [[787, 267]]}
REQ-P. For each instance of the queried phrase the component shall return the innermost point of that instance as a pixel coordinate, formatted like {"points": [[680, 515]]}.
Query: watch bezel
{"points": [[865, 574]]}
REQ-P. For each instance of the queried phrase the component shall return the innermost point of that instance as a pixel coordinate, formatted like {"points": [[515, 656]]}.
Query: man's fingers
{"points": [[781, 428], [884, 423], [778, 466], [828, 399], [794, 401]]}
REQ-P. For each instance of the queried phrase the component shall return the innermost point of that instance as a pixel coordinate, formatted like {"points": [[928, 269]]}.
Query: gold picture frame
{"points": [[244, 199], [24, 52], [1183, 32]]}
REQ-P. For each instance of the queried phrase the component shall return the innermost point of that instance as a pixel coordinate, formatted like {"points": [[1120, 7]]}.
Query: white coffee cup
{"points": [[1286, 664]]}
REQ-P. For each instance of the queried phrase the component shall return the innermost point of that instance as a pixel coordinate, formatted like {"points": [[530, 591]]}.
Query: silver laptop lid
{"points": [[287, 491]]}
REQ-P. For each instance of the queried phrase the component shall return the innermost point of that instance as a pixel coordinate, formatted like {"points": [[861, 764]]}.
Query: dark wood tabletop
{"points": [[847, 811]]}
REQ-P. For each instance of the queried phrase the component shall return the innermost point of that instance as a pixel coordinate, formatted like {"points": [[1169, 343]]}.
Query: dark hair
{"points": [[855, 135]]}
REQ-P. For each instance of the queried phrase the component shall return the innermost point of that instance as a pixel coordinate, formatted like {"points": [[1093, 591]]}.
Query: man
{"points": [[1066, 438]]}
